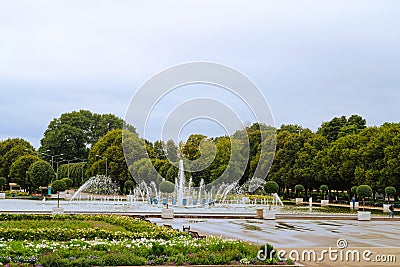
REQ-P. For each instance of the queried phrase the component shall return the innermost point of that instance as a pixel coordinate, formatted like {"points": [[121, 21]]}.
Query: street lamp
{"points": [[61, 160], [52, 157], [106, 163]]}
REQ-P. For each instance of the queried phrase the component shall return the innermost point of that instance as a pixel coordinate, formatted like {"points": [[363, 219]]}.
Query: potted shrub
{"points": [[324, 188], [58, 186], [299, 188], [364, 191], [390, 191], [168, 188]]}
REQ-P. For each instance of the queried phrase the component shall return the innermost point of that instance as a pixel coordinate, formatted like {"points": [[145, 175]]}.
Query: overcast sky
{"points": [[313, 60]]}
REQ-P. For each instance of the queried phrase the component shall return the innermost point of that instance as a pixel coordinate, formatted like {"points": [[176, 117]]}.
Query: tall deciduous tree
{"points": [[41, 174], [18, 171], [108, 155], [73, 133], [10, 150]]}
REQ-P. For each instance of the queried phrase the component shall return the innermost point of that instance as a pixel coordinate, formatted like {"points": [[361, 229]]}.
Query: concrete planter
{"points": [[364, 215], [324, 202], [386, 207], [167, 213], [57, 210], [356, 205], [299, 200], [2, 195]]}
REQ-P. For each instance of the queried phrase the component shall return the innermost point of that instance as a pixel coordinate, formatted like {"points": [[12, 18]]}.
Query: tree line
{"points": [[342, 153]]}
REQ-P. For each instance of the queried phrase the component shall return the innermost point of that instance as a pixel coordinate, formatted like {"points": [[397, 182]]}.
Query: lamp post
{"points": [[52, 157], [106, 163], [61, 160]]}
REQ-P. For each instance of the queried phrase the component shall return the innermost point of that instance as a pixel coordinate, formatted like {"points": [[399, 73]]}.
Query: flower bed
{"points": [[136, 243]]}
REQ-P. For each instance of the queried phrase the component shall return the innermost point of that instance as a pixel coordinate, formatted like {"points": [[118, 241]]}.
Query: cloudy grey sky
{"points": [[313, 60]]}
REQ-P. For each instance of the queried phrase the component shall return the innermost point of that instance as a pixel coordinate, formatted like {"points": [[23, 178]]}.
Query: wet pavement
{"points": [[297, 233]]}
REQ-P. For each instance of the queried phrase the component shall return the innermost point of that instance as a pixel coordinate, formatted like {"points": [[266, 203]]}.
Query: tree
{"points": [[271, 187], [143, 170], [18, 171], [68, 182], [75, 171], [364, 191], [3, 182], [332, 128], [390, 192], [354, 190], [167, 187], [299, 188], [57, 186], [129, 184], [73, 133], [110, 155], [172, 151], [191, 149], [324, 188], [41, 174], [10, 150]]}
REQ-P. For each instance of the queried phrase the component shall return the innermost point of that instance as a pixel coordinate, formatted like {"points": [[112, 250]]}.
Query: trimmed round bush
{"points": [[69, 182], [271, 187], [167, 187], [324, 188], [364, 191], [390, 191], [58, 185]]}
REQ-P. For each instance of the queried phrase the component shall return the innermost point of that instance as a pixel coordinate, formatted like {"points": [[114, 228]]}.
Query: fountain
{"points": [[99, 193], [98, 186], [181, 180]]}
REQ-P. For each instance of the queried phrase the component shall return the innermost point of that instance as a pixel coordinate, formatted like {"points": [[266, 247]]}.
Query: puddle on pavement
{"points": [[286, 226], [252, 227]]}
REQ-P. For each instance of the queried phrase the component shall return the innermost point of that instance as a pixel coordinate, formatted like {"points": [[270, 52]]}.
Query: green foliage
{"points": [[110, 240], [68, 182], [364, 191], [72, 133], [59, 185], [324, 188], [40, 174], [390, 191], [129, 184], [3, 182], [110, 151], [271, 187], [191, 149], [75, 171], [10, 150], [354, 189], [339, 127], [18, 171], [299, 188], [167, 187]]}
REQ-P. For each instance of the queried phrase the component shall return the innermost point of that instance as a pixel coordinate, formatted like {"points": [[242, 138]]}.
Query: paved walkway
{"points": [[378, 236]]}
